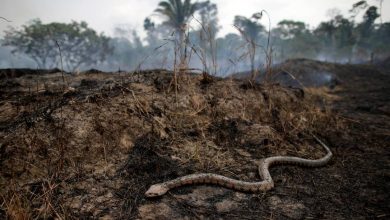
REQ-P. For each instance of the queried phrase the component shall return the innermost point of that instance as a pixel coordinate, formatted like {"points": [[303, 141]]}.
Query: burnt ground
{"points": [[91, 151]]}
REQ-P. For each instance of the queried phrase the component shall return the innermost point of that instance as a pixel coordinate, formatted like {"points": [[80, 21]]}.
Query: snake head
{"points": [[156, 190]]}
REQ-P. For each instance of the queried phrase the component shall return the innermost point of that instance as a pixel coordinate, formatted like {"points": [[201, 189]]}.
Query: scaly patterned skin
{"points": [[254, 187]]}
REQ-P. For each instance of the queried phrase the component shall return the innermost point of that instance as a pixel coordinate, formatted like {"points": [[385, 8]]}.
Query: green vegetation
{"points": [[193, 28], [80, 44], [177, 15]]}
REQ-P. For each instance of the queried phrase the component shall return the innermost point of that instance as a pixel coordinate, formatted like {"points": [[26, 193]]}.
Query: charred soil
{"points": [[93, 150]]}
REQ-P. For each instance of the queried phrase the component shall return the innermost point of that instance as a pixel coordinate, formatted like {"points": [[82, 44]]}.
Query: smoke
{"points": [[10, 60]]}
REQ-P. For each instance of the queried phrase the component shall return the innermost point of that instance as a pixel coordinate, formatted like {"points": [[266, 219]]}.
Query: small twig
{"points": [[139, 105], [5, 19], [300, 83]]}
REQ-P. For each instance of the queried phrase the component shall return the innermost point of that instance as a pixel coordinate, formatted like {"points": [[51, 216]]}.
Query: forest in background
{"points": [[341, 39]]}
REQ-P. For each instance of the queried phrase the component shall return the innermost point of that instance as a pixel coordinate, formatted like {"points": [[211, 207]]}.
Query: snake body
{"points": [[267, 183]]}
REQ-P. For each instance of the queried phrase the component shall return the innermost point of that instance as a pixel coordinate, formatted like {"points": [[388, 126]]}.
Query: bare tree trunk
{"points": [[181, 44], [252, 55]]}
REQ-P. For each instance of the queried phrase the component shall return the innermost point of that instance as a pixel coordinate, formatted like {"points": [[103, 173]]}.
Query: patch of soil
{"points": [[15, 73], [93, 150]]}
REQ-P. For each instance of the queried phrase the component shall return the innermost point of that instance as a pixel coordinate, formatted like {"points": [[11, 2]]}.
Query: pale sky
{"points": [[104, 15]]}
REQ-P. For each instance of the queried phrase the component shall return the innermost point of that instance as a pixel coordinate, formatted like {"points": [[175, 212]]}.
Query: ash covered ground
{"points": [[92, 151]]}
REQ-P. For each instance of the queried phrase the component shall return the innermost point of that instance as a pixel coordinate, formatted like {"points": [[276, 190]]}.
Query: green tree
{"points": [[207, 35], [336, 37], [326, 31], [177, 14], [295, 40], [290, 29], [150, 28], [252, 32], [249, 27], [229, 53], [366, 28], [344, 38], [209, 20], [380, 40], [80, 45]]}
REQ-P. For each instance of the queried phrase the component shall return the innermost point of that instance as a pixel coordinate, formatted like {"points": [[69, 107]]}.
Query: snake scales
{"points": [[267, 183]]}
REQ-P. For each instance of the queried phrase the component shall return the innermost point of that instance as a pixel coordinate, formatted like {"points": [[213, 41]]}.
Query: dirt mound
{"points": [[298, 73], [93, 151], [385, 65], [15, 73]]}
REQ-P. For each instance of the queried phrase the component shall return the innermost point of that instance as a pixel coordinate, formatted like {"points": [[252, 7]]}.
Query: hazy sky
{"points": [[104, 15]]}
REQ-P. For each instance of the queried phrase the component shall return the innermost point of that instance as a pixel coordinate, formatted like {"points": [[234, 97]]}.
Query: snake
{"points": [[266, 184]]}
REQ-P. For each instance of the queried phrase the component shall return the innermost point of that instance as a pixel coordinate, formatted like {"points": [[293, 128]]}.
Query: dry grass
{"points": [[16, 207], [64, 162]]}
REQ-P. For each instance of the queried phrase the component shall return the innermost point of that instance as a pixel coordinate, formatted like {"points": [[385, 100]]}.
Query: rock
{"points": [[243, 153], [239, 196], [226, 206], [157, 211], [106, 217], [76, 202], [200, 196], [289, 208], [125, 143]]}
